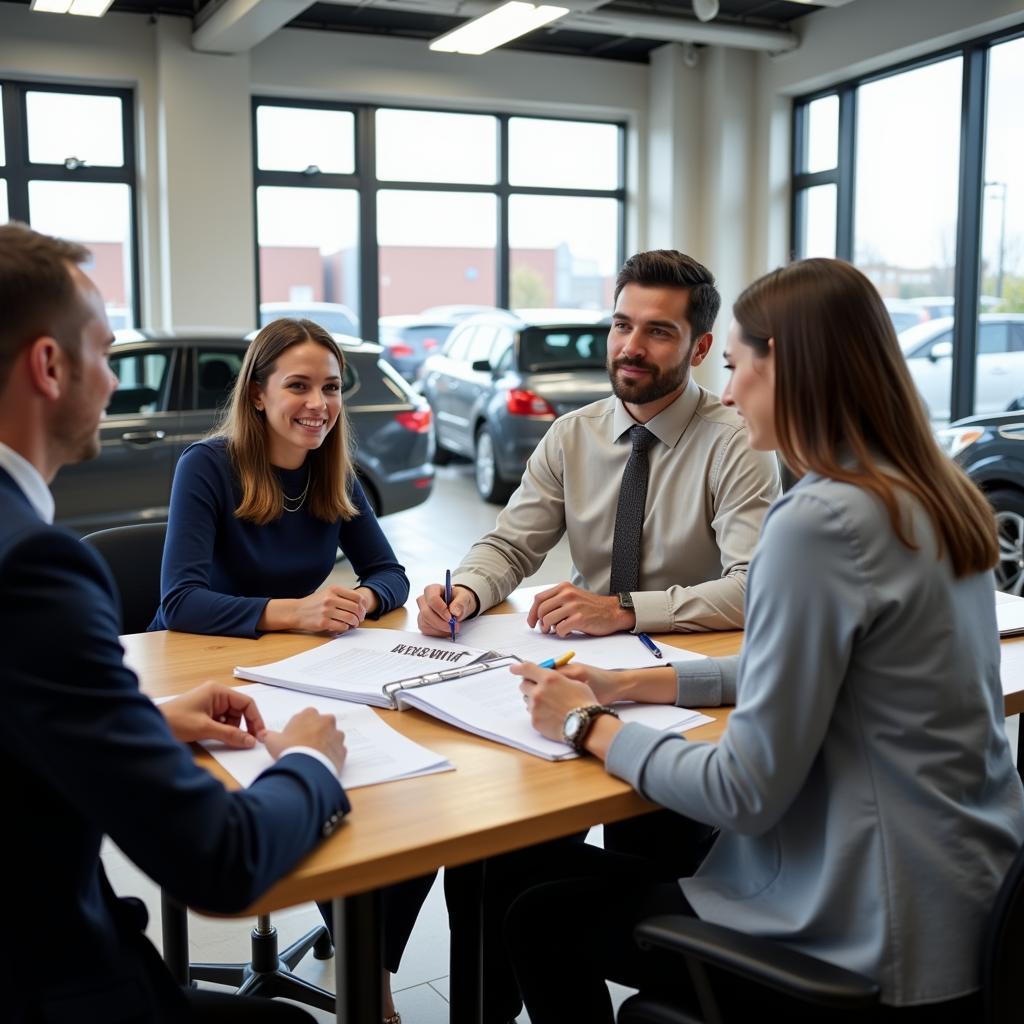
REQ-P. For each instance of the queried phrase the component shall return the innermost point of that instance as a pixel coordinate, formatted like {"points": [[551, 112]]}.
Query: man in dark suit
{"points": [[83, 753]]}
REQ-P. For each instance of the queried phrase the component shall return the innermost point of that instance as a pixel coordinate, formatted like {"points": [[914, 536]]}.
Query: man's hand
{"points": [[565, 608], [213, 711], [309, 728], [434, 613]]}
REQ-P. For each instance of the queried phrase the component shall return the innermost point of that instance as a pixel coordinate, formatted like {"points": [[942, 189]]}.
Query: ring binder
{"points": [[391, 690]]}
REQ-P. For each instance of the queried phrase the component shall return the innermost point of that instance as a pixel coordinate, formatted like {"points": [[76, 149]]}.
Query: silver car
{"points": [[502, 378], [171, 388]]}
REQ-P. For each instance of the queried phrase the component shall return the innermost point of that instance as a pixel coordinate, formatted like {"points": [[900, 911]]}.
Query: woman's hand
{"points": [[213, 711], [331, 609], [550, 696]]}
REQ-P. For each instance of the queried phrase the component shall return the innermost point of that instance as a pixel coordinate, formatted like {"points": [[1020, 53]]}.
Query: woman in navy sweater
{"points": [[257, 514]]}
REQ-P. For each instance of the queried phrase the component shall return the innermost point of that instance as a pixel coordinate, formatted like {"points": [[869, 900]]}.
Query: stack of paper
{"points": [[490, 705], [357, 665], [1009, 614], [509, 634], [376, 752]]}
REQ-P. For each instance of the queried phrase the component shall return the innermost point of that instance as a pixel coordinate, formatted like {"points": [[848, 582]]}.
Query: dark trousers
{"points": [[571, 933], [665, 845], [400, 905]]}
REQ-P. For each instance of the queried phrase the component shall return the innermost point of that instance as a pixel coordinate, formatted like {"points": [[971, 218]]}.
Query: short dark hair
{"points": [[38, 295], [670, 268]]}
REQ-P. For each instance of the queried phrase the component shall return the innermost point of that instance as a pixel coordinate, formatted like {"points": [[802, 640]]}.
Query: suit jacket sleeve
{"points": [[75, 717]]}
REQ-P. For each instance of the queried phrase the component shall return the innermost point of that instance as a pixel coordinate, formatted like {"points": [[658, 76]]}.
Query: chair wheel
{"points": [[323, 948]]}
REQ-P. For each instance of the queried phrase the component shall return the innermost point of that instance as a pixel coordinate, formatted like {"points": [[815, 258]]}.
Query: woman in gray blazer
{"points": [[864, 787]]}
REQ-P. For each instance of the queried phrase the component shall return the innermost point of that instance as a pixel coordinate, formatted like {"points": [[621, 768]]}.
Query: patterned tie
{"points": [[629, 516]]}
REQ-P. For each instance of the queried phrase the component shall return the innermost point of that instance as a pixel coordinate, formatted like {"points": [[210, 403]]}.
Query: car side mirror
{"points": [[481, 365], [941, 350]]}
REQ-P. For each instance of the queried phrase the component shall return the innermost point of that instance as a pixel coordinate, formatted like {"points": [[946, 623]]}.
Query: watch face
{"points": [[573, 724]]}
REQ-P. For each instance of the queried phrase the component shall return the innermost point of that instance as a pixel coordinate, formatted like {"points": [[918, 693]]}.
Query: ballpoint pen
{"points": [[448, 600], [649, 644], [562, 659]]}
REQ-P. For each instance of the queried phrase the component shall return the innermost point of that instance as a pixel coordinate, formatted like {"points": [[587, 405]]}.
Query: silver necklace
{"points": [[294, 504]]}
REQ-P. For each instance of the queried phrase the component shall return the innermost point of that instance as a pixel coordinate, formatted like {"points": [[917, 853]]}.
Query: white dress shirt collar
{"points": [[669, 425], [27, 477]]}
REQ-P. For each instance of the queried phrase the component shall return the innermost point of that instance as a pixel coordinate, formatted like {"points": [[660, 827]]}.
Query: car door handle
{"points": [[143, 436]]}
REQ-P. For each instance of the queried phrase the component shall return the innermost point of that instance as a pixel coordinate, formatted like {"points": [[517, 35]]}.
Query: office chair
{"points": [[134, 554], [809, 982]]}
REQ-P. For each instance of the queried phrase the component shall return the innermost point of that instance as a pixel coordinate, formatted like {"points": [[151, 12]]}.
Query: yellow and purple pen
{"points": [[562, 659]]}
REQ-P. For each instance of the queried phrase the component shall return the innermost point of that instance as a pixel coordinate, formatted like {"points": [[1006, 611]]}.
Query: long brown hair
{"points": [[842, 388], [245, 427]]}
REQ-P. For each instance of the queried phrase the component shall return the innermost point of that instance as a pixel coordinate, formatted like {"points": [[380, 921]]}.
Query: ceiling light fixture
{"points": [[83, 8], [706, 10], [496, 28]]}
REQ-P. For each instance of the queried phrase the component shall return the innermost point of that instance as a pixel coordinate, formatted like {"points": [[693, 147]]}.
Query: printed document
{"points": [[357, 665], [376, 752], [509, 634], [1011, 667], [1009, 614], [490, 705]]}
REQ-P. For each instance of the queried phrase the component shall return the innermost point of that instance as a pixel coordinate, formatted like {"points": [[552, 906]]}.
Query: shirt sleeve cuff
{"points": [[486, 593], [710, 683], [653, 612], [316, 754], [632, 746]]}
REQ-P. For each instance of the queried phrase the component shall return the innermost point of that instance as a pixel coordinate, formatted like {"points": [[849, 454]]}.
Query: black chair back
{"points": [[133, 554], [1002, 951]]}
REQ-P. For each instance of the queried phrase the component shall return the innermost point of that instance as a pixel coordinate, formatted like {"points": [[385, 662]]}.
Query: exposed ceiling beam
{"points": [[235, 26]]}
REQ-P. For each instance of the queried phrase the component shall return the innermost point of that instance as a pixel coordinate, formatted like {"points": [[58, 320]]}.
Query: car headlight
{"points": [[954, 440]]}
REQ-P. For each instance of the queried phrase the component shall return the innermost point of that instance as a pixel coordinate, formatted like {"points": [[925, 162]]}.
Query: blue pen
{"points": [[448, 600], [649, 644]]}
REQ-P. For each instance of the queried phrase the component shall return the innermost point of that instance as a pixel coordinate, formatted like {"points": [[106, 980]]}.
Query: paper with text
{"points": [[376, 752], [1009, 614]]}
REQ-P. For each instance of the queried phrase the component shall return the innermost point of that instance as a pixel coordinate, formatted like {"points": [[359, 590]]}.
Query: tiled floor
{"points": [[427, 539]]}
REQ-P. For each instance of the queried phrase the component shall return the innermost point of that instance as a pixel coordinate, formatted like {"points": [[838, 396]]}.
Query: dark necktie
{"points": [[629, 516]]}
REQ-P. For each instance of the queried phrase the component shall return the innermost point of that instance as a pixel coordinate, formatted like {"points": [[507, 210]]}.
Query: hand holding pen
{"points": [[442, 606], [448, 601]]}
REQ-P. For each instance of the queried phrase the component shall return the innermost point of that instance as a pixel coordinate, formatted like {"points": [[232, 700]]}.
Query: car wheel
{"points": [[490, 486], [1009, 508]]}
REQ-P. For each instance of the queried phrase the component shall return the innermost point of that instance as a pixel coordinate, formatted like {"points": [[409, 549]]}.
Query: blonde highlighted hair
{"points": [[245, 428], [842, 388]]}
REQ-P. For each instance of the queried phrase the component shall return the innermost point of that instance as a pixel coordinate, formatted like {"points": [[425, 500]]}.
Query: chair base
{"points": [[269, 974]]}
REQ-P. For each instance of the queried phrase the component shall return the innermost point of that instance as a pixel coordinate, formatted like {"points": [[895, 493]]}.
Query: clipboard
{"points": [[393, 690]]}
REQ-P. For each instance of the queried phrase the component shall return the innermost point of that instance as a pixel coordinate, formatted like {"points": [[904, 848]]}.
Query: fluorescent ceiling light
{"points": [[499, 26], [51, 6], [90, 8]]}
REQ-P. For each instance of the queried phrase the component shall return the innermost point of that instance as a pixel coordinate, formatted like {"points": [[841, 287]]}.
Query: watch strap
{"points": [[590, 714]]}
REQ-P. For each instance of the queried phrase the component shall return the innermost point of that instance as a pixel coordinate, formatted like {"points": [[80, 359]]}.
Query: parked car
{"points": [[502, 378], [928, 349], [331, 316], [904, 314], [459, 311], [172, 386], [409, 339], [991, 451]]}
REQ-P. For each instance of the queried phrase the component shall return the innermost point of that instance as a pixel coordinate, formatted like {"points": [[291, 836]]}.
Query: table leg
{"points": [[1020, 746], [466, 995], [174, 926], [357, 959]]}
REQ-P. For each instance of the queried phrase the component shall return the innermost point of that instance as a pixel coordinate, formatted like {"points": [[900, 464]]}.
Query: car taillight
{"points": [[417, 421], [400, 350], [429, 343], [525, 403]]}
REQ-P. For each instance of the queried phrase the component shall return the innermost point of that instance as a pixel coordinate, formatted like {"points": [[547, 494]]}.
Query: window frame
{"points": [[19, 171], [967, 256], [366, 183]]}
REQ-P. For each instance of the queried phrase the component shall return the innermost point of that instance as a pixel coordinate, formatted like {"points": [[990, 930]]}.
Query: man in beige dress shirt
{"points": [[706, 496]]}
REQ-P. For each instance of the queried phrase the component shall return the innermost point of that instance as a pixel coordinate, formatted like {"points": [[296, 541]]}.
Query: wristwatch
{"points": [[579, 722], [625, 599]]}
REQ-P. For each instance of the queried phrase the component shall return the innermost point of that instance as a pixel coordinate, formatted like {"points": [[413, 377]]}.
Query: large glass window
{"points": [[421, 225], [999, 370], [71, 172]]}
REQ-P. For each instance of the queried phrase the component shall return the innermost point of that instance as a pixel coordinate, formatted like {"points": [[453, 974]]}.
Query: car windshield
{"points": [[331, 320], [914, 336], [563, 348]]}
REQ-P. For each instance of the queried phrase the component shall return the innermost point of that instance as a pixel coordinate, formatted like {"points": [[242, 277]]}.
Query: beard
{"points": [[660, 383]]}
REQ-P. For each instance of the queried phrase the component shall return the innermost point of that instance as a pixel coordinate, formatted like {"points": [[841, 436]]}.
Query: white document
{"points": [[509, 634], [490, 705], [376, 752], [1011, 667], [1009, 614], [357, 665]]}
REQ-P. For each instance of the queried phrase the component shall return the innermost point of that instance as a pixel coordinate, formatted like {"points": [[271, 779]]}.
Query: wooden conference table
{"points": [[498, 799]]}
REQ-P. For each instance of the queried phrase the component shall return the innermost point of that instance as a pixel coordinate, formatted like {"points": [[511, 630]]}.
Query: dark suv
{"points": [[172, 386], [991, 450], [502, 378]]}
